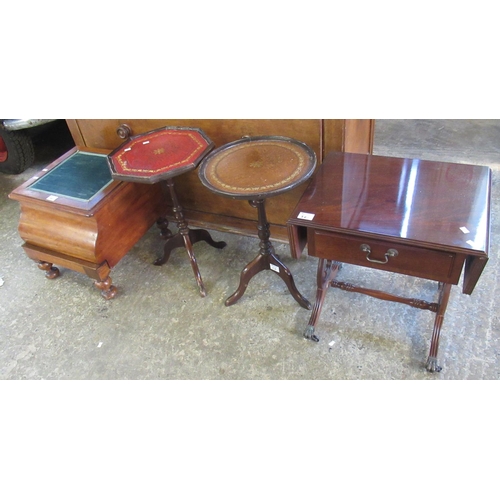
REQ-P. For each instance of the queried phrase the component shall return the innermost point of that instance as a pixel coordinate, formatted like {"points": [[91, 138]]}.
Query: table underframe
{"points": [[326, 277]]}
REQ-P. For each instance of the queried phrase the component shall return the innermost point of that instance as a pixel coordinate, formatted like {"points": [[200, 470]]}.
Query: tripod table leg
{"points": [[266, 260], [185, 237]]}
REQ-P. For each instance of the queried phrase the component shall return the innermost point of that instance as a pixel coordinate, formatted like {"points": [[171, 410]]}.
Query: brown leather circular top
{"points": [[257, 167]]}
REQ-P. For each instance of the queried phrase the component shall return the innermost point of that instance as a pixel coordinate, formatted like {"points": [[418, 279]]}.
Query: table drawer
{"points": [[404, 259]]}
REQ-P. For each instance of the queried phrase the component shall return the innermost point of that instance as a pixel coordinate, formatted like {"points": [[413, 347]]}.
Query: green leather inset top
{"points": [[81, 176]]}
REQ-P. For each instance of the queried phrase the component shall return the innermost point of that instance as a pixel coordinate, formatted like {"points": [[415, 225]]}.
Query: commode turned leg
{"points": [[100, 273], [108, 291], [51, 272]]}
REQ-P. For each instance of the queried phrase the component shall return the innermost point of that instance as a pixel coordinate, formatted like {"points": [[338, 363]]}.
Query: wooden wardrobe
{"points": [[205, 209]]}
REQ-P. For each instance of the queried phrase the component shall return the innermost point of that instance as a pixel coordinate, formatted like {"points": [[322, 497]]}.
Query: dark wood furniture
{"points": [[419, 218], [254, 169], [73, 214], [203, 208], [159, 156]]}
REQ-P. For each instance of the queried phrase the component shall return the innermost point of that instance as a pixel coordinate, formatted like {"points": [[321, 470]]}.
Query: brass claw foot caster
{"points": [[309, 334], [432, 365]]}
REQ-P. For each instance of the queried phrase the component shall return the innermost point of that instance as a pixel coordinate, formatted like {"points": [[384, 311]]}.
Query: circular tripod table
{"points": [[253, 169], [159, 156]]}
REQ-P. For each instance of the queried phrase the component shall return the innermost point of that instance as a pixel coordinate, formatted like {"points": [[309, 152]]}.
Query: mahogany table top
{"points": [[426, 203]]}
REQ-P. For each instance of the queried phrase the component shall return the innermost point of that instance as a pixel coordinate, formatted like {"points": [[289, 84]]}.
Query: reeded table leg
{"points": [[266, 260], [327, 271], [444, 295], [186, 237]]}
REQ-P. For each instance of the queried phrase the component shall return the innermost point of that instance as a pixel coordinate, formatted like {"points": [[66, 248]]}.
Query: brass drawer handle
{"points": [[390, 253]]}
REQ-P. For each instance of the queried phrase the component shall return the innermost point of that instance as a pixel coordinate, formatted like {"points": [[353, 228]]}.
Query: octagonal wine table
{"points": [[253, 169], [159, 156]]}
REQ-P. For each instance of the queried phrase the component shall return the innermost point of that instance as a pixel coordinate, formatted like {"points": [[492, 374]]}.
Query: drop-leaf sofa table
{"points": [[419, 218]]}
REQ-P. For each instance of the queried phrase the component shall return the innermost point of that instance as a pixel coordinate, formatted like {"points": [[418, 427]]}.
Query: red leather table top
{"points": [[159, 154]]}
